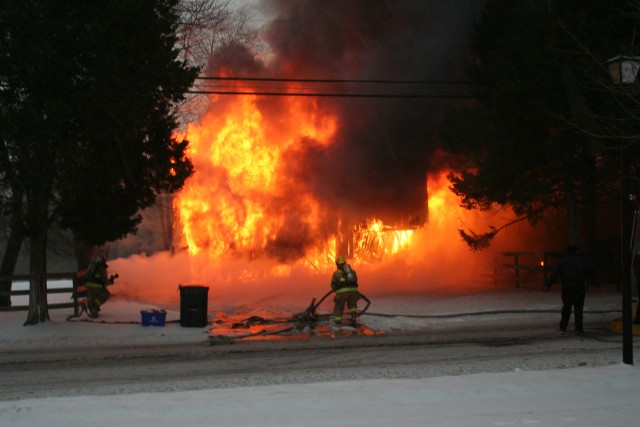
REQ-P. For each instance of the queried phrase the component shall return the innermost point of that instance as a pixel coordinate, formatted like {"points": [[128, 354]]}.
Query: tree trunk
{"points": [[12, 250], [589, 217], [9, 261], [38, 307], [572, 218], [82, 253], [582, 223], [38, 225]]}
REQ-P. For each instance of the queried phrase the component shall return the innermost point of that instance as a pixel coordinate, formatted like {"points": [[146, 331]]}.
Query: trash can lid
{"points": [[193, 287]]}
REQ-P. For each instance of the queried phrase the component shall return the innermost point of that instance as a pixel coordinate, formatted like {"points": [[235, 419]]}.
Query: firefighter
{"points": [[96, 281], [344, 283]]}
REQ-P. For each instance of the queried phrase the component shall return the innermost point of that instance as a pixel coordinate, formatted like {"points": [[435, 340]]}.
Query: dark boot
{"points": [[93, 310]]}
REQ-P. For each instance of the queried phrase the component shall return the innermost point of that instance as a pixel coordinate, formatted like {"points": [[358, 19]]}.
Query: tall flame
{"points": [[238, 198], [378, 240], [387, 258], [243, 198]]}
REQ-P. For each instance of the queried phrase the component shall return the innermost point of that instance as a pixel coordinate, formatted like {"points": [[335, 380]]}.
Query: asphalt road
{"points": [[450, 351]]}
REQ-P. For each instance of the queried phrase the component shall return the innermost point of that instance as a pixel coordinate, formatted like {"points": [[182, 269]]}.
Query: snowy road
{"points": [[454, 350]]}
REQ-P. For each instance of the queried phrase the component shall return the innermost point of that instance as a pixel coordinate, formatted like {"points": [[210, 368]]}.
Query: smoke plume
{"points": [[384, 147]]}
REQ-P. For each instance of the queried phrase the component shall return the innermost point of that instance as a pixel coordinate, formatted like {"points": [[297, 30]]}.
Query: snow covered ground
{"points": [[593, 395]]}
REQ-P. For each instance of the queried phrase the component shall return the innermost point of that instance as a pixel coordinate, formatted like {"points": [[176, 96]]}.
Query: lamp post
{"points": [[623, 70]]}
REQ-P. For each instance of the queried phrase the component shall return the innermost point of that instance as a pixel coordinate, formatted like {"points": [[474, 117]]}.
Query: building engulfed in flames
{"points": [[304, 178], [283, 184], [248, 196]]}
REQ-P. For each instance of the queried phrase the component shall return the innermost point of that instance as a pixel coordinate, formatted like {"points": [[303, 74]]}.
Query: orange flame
{"points": [[236, 202], [230, 203], [377, 240], [387, 258], [246, 202]]}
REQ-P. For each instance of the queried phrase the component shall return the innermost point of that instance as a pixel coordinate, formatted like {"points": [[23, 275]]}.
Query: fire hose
{"points": [[310, 312]]}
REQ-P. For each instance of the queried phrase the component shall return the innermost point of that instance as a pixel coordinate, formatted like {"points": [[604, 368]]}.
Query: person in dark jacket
{"points": [[574, 272]]}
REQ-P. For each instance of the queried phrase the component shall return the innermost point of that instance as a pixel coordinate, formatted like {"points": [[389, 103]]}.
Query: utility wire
{"points": [[335, 94], [428, 89], [286, 80]]}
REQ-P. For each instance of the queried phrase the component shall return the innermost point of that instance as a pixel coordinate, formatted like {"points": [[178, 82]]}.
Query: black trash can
{"points": [[193, 305]]}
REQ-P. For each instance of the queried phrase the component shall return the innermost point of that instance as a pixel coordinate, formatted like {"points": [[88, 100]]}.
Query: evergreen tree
{"points": [[87, 103], [533, 142]]}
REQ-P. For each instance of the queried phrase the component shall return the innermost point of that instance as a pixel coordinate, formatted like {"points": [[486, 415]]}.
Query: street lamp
{"points": [[623, 70]]}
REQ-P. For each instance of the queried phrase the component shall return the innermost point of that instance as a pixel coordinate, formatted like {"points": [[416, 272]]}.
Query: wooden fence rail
{"points": [[73, 303], [523, 268]]}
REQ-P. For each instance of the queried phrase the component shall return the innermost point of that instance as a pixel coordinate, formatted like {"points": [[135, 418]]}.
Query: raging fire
{"points": [[264, 208], [244, 198]]}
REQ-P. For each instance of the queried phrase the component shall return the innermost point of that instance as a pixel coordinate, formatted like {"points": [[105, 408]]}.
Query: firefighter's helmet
{"points": [[340, 260], [100, 259]]}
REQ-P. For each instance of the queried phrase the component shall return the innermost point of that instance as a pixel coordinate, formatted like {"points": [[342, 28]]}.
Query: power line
{"points": [[335, 94], [364, 81], [404, 88]]}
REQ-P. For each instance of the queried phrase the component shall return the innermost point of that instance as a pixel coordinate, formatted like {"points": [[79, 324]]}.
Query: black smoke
{"points": [[378, 164]]}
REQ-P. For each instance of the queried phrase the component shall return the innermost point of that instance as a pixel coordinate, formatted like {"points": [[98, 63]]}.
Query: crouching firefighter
{"points": [[344, 283], [96, 281]]}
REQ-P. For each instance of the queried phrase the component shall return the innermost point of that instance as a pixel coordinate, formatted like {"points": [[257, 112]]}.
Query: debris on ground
{"points": [[306, 324]]}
